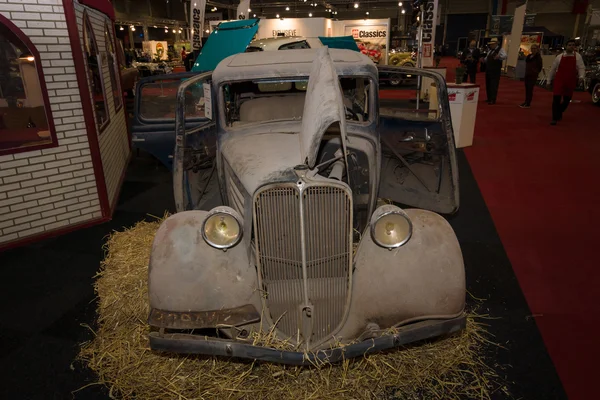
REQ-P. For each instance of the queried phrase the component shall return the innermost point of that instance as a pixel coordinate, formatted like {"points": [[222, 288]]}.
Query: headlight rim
{"points": [[378, 216], [228, 211]]}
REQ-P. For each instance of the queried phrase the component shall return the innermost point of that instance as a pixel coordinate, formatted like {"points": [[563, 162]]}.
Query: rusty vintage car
{"points": [[281, 163]]}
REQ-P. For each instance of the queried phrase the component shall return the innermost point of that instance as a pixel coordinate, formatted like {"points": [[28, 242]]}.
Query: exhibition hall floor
{"points": [[540, 184], [526, 223]]}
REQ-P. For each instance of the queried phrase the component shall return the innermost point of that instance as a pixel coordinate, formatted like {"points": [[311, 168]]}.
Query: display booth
{"points": [[371, 35], [156, 49], [64, 145]]}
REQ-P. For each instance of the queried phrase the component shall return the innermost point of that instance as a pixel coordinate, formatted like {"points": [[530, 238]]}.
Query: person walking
{"points": [[567, 69], [533, 67], [470, 59], [493, 69]]}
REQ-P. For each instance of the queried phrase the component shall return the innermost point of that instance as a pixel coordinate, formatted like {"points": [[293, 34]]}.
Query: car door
{"points": [[417, 142], [195, 180], [153, 126]]}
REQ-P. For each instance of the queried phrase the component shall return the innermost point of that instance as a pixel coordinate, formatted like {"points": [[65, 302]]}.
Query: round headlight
{"points": [[222, 228], [390, 227]]}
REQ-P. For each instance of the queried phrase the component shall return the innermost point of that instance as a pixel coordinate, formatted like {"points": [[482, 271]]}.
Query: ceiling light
{"points": [[310, 14], [207, 31], [166, 27], [418, 18], [155, 26], [367, 13], [173, 30], [254, 15], [194, 4], [180, 31], [166, 31], [400, 4], [403, 11], [277, 16], [287, 9], [249, 10], [132, 28], [355, 5], [122, 29]]}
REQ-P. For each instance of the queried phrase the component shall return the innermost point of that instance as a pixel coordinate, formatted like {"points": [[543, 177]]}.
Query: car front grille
{"points": [[327, 224]]}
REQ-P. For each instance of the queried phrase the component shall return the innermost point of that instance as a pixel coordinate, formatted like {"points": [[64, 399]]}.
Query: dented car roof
{"points": [[289, 63]]}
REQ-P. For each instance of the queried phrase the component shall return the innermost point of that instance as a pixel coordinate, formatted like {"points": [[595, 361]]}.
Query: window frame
{"points": [[86, 21], [285, 46], [18, 34], [108, 31]]}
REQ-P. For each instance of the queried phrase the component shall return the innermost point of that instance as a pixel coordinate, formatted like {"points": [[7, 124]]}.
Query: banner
{"points": [[371, 40], [242, 10], [529, 20], [196, 23], [501, 24], [429, 25], [527, 39]]}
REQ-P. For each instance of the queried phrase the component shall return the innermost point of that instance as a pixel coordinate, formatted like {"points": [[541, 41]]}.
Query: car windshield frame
{"points": [[222, 118]]}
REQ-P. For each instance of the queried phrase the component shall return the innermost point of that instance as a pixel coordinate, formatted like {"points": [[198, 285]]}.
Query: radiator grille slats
{"points": [[328, 226]]}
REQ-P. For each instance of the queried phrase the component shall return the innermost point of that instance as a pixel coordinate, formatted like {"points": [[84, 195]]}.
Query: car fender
{"points": [[186, 274], [423, 279]]}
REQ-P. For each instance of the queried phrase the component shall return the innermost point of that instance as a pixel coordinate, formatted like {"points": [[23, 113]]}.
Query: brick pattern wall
{"points": [[114, 141], [48, 189]]}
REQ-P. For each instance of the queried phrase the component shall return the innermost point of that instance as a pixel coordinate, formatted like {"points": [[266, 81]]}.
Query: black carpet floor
{"points": [[47, 298]]}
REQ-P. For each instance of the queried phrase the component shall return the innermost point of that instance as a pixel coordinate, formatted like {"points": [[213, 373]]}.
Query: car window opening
{"points": [[251, 102]]}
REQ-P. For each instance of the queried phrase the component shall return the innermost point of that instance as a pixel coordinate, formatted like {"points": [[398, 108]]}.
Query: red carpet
{"points": [[541, 184]]}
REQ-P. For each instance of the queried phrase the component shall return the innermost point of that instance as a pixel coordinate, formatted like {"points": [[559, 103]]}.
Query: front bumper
{"points": [[194, 344]]}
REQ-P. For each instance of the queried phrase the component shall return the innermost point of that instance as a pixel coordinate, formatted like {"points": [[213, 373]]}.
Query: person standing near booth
{"points": [[568, 69], [470, 59], [496, 55], [533, 67]]}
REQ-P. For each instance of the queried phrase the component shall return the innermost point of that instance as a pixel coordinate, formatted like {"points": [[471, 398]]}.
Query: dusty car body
{"points": [[296, 245]]}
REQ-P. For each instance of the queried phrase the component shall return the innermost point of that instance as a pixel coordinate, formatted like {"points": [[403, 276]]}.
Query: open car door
{"points": [[417, 142], [153, 127], [195, 179]]}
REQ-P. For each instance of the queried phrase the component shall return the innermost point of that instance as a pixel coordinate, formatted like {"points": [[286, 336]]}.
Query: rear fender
{"points": [[423, 279], [188, 275]]}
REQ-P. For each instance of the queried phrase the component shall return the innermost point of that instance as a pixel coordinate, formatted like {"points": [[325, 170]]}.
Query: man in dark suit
{"points": [[495, 57], [470, 59]]}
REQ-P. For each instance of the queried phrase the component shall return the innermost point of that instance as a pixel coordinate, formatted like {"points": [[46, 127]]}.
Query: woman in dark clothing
{"points": [[533, 67]]}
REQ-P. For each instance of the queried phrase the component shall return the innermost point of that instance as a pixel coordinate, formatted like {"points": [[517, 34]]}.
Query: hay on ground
{"points": [[119, 353]]}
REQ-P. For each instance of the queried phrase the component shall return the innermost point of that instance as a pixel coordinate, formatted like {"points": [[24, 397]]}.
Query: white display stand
{"points": [[463, 100]]}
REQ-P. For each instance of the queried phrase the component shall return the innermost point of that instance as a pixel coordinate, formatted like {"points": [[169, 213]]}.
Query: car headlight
{"points": [[222, 228], [390, 227]]}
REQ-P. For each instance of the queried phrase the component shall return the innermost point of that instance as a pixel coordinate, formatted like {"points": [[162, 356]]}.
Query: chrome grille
{"points": [[327, 223]]}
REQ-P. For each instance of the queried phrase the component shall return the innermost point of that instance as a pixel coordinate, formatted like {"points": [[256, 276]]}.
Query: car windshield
{"points": [[259, 101]]}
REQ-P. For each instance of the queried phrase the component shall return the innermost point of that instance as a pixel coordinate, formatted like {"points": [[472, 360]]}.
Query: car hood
{"points": [[258, 159]]}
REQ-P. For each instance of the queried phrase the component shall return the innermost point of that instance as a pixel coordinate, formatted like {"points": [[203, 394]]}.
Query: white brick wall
{"points": [[48, 189], [114, 142]]}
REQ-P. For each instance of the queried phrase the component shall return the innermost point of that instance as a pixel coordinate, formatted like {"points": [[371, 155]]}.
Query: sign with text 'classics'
{"points": [[371, 40], [196, 23], [429, 24]]}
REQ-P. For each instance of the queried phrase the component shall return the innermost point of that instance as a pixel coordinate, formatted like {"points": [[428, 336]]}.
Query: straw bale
{"points": [[120, 356]]}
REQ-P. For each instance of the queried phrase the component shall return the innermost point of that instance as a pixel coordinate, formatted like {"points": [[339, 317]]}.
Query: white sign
{"points": [[197, 23], [429, 23], [371, 40], [242, 10], [207, 100]]}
